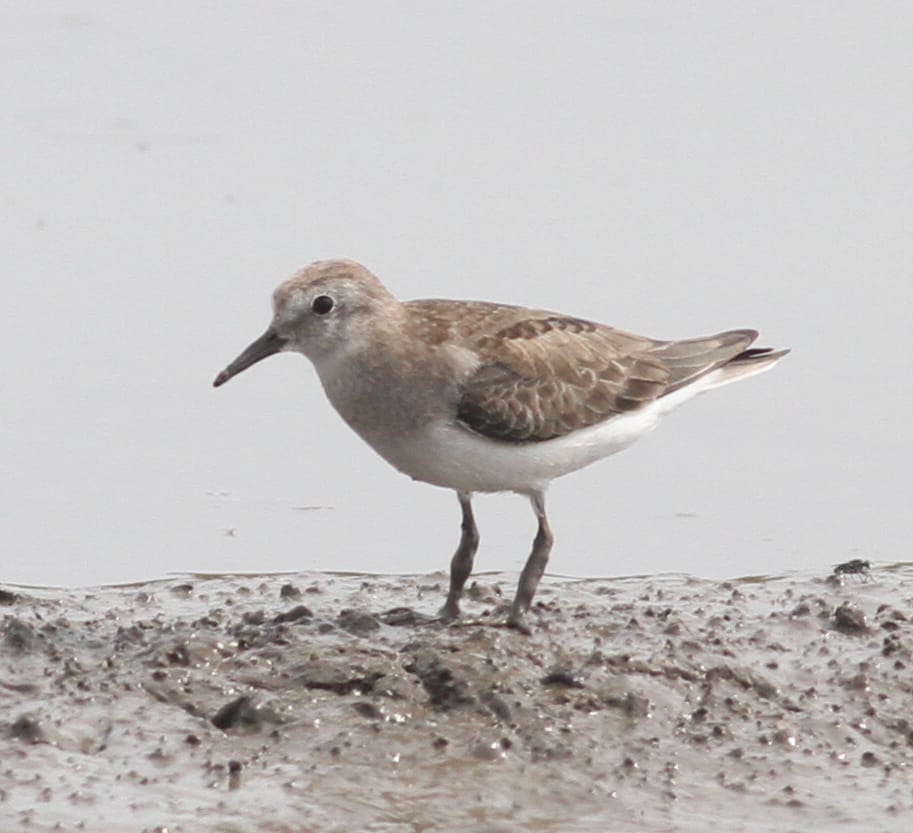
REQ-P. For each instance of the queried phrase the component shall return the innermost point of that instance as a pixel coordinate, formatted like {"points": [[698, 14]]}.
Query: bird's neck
{"points": [[380, 385]]}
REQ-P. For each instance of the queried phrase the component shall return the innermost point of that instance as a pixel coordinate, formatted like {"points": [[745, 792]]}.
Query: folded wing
{"points": [[543, 377]]}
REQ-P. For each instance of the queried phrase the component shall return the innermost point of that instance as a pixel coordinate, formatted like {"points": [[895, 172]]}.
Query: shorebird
{"points": [[485, 397]]}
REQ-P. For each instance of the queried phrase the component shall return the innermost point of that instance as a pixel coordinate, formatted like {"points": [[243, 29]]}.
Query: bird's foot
{"points": [[450, 612], [516, 620]]}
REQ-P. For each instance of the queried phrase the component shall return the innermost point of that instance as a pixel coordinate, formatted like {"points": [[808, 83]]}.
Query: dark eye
{"points": [[322, 304]]}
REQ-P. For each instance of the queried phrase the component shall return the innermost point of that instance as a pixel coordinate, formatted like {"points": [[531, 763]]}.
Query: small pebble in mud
{"points": [[7, 597], [238, 714], [483, 592], [293, 615], [177, 654], [444, 689], [850, 619], [858, 682], [401, 617], [565, 677], [337, 676], [28, 728], [357, 621], [368, 710], [496, 704], [18, 636], [254, 617], [289, 591], [183, 591]]}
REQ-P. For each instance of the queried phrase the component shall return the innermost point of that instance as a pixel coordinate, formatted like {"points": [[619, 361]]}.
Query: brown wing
{"points": [[542, 378]]}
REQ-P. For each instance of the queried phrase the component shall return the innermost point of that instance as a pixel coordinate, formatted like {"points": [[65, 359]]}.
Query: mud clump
{"points": [[238, 714], [850, 619], [445, 691], [644, 704], [19, 637], [28, 728], [338, 676], [289, 591], [295, 614]]}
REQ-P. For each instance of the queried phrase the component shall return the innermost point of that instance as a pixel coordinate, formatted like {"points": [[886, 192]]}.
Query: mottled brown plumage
{"points": [[542, 375]]}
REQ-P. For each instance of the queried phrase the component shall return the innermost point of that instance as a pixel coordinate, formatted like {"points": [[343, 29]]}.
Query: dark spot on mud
{"points": [[28, 728], [369, 710], [542, 751], [234, 775], [177, 654], [295, 614], [890, 618], [337, 676], [850, 619], [19, 637], [629, 703], [289, 591], [891, 645], [402, 617], [444, 689], [240, 713], [254, 617], [869, 759], [496, 704], [565, 677]]}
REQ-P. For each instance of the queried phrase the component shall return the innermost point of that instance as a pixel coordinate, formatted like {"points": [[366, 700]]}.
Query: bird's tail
{"points": [[747, 363], [716, 360]]}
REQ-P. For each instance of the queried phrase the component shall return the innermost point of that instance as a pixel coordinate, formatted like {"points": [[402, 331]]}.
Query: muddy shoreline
{"points": [[331, 702]]}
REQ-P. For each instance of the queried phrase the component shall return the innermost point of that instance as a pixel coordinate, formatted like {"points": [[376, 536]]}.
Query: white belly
{"points": [[449, 455]]}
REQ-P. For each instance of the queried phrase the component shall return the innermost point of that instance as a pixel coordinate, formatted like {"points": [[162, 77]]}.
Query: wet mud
{"points": [[321, 702]]}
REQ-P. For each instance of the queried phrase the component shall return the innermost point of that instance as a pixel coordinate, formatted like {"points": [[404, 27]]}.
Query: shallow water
{"points": [[650, 704]]}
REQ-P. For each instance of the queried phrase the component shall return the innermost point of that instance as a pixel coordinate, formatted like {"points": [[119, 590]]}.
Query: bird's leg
{"points": [[461, 563], [535, 567]]}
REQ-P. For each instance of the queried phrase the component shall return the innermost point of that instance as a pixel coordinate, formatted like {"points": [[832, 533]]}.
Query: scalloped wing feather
{"points": [[544, 377]]}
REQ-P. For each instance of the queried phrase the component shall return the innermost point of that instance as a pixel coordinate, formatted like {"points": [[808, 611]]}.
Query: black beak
{"points": [[268, 344]]}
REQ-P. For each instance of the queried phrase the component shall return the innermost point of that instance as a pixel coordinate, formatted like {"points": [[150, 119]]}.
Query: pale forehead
{"points": [[326, 276], [298, 287]]}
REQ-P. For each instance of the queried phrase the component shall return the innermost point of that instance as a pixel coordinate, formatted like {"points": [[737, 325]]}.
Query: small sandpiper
{"points": [[484, 397]]}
